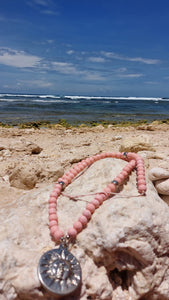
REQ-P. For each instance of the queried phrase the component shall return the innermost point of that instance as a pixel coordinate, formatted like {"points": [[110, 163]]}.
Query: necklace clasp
{"points": [[65, 241]]}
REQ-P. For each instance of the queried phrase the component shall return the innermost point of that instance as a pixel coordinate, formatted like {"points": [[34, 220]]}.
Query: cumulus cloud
{"points": [[19, 59], [148, 61]]}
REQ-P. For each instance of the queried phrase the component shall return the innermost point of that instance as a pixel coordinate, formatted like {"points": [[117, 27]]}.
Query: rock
{"points": [[158, 173], [123, 251], [25, 176], [2, 147], [162, 186], [165, 198], [25, 146], [136, 144]]}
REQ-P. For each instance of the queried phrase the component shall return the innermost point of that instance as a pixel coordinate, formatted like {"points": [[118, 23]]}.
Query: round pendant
{"points": [[59, 271]]}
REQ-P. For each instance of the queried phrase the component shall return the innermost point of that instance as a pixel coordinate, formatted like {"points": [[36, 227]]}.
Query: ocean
{"points": [[18, 108]]}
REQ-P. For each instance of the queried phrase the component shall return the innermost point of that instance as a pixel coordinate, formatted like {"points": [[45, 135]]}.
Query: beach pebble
{"points": [[158, 173], [162, 186], [135, 144]]}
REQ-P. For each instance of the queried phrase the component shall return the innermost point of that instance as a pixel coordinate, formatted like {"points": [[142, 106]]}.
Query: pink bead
{"points": [[103, 155], [131, 155], [77, 168], [113, 154], [71, 176], [140, 172], [87, 213], [59, 180], [123, 172], [112, 187], [81, 167], [84, 163], [52, 210], [127, 169], [107, 190], [141, 181], [53, 223], [132, 163], [142, 187], [119, 179], [83, 220], [97, 157], [65, 180], [72, 232], [58, 234], [53, 229], [74, 172], [78, 226], [89, 161], [53, 194], [57, 190], [53, 217], [100, 198], [140, 166], [52, 200], [119, 155], [90, 207], [96, 203], [52, 205], [140, 177]]}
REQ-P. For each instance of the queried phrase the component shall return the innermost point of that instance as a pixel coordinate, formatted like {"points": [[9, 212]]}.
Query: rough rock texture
{"points": [[24, 176], [24, 146], [124, 251], [136, 144]]}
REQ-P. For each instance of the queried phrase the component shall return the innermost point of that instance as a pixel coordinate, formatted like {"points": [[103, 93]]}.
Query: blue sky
{"points": [[89, 47]]}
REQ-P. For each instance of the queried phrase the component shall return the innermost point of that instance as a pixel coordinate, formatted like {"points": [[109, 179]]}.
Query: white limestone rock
{"points": [[158, 173], [162, 186], [124, 250]]}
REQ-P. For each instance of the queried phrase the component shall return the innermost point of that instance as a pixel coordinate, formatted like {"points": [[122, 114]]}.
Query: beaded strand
{"points": [[134, 160]]}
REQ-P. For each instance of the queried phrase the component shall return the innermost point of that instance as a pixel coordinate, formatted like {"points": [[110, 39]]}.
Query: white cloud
{"points": [[148, 61], [65, 68], [137, 75], [19, 59], [41, 83], [22, 60], [96, 59], [70, 52]]}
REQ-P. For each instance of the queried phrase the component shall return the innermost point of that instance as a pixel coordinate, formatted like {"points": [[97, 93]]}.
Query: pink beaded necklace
{"points": [[58, 270]]}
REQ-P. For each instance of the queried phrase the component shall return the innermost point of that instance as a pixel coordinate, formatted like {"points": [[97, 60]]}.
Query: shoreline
{"points": [[64, 123]]}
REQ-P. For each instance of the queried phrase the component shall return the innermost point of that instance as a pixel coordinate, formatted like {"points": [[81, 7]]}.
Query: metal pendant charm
{"points": [[59, 271]]}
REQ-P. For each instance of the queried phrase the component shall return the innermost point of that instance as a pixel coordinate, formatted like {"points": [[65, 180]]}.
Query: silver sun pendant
{"points": [[59, 271]]}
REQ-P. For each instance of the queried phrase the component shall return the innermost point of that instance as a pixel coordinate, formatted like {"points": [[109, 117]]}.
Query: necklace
{"points": [[58, 270]]}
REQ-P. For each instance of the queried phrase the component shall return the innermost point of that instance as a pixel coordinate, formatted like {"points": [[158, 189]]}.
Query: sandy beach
{"points": [[60, 148]]}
